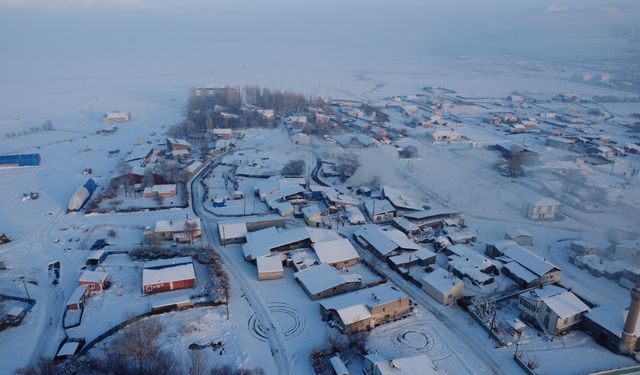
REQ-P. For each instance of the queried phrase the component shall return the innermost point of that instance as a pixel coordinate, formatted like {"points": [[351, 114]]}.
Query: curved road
{"points": [[272, 331]]}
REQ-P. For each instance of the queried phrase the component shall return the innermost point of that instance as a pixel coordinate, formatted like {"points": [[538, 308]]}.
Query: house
{"points": [[78, 298], [365, 309], [379, 210], [443, 286], [222, 133], [399, 200], [269, 267], [606, 323], [402, 262], [264, 241], [313, 215], [559, 142], [179, 230], [95, 281], [193, 168], [116, 117], [165, 191], [520, 237], [582, 248], [497, 248], [435, 218], [541, 208], [421, 364], [552, 308], [322, 281], [385, 241], [24, 160], [174, 144], [405, 225], [527, 268], [168, 274], [339, 253], [465, 262], [354, 215], [444, 136]]}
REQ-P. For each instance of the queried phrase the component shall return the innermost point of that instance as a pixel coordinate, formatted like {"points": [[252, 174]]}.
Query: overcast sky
{"points": [[44, 38]]}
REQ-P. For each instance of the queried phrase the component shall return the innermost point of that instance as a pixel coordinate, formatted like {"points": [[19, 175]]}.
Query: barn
{"points": [[96, 281], [168, 274], [78, 298]]}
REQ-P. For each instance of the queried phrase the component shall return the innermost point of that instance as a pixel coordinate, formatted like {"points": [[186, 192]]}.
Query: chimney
{"points": [[629, 339]]}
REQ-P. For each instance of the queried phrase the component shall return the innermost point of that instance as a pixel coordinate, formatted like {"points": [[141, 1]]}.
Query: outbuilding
{"points": [[78, 298], [443, 286], [269, 267], [168, 274], [95, 281]]}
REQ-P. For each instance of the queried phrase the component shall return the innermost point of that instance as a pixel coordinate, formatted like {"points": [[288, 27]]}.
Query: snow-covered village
{"points": [[468, 210]]}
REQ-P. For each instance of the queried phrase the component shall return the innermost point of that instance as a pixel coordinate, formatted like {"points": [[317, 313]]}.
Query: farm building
{"points": [[24, 160], [96, 281], [78, 298], [168, 274], [96, 258], [180, 230], [339, 253], [269, 267], [541, 208], [443, 286], [365, 309], [552, 308], [324, 281]]}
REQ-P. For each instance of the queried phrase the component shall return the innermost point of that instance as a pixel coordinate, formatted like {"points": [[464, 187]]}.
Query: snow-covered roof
{"points": [[260, 243], [432, 213], [319, 278], [96, 255], [230, 230], [520, 272], [322, 235], [417, 364], [93, 276], [152, 276], [381, 206], [543, 202], [335, 251], [193, 166], [68, 349], [517, 232], [311, 210], [272, 263], [404, 258], [399, 200], [138, 153], [566, 304], [77, 294], [611, 317], [369, 298], [162, 263], [338, 366], [335, 197], [501, 245], [529, 260], [441, 280], [375, 238], [179, 141], [405, 224], [161, 189]]}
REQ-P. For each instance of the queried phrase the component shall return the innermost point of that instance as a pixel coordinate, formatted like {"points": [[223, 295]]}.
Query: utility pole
{"points": [[25, 288]]}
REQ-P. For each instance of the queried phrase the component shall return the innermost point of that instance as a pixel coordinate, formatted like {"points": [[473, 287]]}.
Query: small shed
{"points": [[582, 247], [96, 281], [338, 366], [269, 267], [78, 298], [519, 236]]}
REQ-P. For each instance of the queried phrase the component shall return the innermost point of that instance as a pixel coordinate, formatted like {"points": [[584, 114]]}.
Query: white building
{"points": [[541, 208], [552, 308], [444, 136], [115, 116], [269, 267]]}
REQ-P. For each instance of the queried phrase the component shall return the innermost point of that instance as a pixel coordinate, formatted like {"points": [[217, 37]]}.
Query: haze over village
{"points": [[289, 187]]}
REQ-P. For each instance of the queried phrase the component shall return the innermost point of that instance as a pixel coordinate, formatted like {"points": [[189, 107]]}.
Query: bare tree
{"points": [[293, 168], [139, 342], [148, 179], [198, 362], [124, 169], [191, 228]]}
